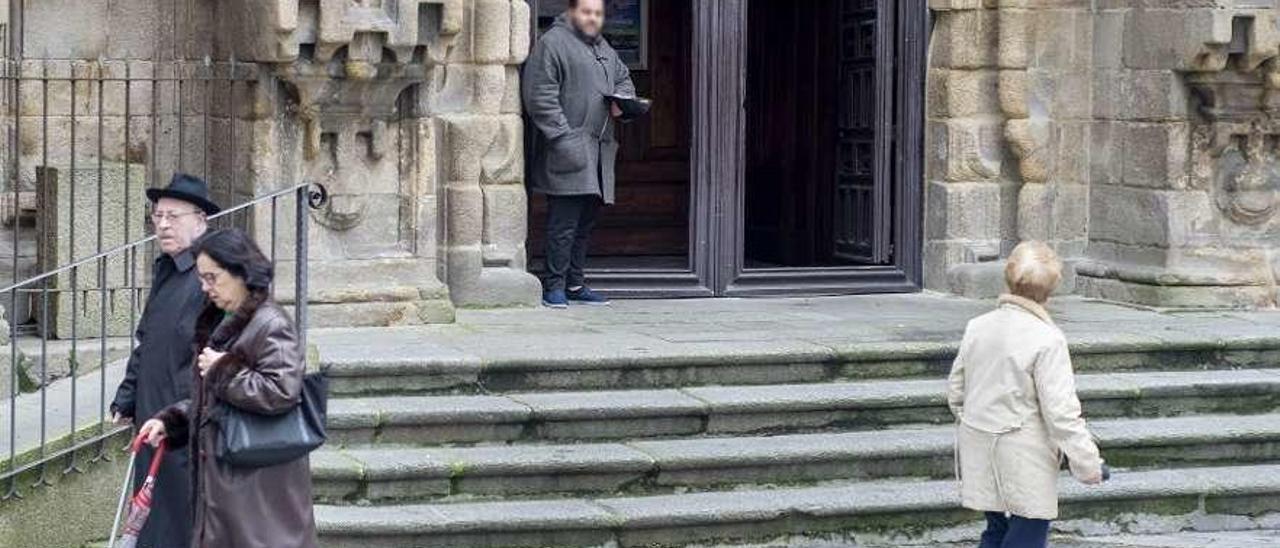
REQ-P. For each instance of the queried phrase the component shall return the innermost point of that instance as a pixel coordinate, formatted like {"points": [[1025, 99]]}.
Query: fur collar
{"points": [[1028, 305]]}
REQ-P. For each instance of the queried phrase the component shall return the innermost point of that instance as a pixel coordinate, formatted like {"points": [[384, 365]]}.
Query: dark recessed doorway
{"points": [[810, 134]]}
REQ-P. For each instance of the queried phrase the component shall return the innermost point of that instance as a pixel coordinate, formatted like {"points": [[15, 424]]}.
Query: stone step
{"points": [[729, 410], [417, 362], [898, 507], [408, 473]]}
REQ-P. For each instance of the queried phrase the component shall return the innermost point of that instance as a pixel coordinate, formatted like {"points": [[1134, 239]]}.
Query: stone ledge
{"points": [[732, 410], [372, 472], [679, 519]]}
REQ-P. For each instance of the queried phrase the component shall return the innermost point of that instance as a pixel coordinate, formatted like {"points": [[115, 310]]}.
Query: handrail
{"points": [[316, 197], [308, 195]]}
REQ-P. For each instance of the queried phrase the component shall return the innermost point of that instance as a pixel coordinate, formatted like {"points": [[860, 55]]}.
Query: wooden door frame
{"points": [[717, 176], [905, 166]]}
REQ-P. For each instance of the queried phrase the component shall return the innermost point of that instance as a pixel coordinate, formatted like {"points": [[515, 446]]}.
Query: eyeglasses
{"points": [[171, 216]]}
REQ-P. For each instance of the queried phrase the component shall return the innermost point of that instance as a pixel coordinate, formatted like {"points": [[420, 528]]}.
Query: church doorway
{"points": [[782, 155]]}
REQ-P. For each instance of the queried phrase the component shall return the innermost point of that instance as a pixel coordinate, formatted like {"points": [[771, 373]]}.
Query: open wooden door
{"points": [[863, 189]]}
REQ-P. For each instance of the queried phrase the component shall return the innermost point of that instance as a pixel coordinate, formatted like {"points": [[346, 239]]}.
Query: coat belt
{"points": [[991, 455]]}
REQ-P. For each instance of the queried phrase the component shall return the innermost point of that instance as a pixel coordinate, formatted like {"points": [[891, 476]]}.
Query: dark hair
{"points": [[237, 253]]}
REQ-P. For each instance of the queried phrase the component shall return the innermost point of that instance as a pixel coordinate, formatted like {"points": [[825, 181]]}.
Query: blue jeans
{"points": [[1014, 532]]}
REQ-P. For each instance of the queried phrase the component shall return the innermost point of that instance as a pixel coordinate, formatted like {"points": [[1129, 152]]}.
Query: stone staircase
{"points": [[749, 444]]}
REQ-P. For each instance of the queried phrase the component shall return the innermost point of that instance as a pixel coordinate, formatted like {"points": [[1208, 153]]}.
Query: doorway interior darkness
{"points": [[783, 154]]}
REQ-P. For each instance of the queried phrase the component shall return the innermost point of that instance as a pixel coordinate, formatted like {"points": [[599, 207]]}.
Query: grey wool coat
{"points": [[565, 82]]}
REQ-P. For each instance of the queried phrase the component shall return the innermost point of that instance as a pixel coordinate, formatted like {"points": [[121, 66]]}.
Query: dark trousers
{"points": [[570, 220], [1014, 532]]}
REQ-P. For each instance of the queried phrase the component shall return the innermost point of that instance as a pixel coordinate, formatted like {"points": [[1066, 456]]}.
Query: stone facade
{"points": [[406, 110], [1135, 136]]}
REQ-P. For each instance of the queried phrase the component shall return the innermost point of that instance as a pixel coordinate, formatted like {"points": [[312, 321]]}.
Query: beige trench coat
{"points": [[1012, 390]]}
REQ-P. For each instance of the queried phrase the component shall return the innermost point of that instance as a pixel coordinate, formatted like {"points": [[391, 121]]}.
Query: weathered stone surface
{"points": [[965, 150], [963, 210], [1112, 218], [1061, 95], [955, 35], [77, 224], [1155, 95], [1155, 155], [1062, 38], [961, 93]]}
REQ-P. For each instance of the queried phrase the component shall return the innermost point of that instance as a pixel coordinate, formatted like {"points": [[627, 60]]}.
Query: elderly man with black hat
{"points": [[158, 374]]}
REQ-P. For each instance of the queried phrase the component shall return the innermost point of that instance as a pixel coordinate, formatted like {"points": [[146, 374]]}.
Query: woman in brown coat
{"points": [[248, 357]]}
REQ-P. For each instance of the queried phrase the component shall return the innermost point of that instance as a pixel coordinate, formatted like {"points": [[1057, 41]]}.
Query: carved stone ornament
{"points": [[1236, 136], [1244, 172], [346, 63]]}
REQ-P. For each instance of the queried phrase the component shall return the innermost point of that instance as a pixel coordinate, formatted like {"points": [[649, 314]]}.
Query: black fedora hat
{"points": [[187, 188]]}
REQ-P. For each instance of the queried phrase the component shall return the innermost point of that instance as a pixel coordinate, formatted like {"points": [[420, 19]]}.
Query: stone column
{"points": [[407, 111], [970, 196], [1010, 125]]}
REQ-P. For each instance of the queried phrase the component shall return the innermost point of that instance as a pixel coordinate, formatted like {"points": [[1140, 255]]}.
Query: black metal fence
{"points": [[80, 142], [43, 435]]}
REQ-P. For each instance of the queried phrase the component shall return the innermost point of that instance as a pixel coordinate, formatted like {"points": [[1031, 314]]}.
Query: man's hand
{"points": [[121, 420], [207, 358], [614, 110]]}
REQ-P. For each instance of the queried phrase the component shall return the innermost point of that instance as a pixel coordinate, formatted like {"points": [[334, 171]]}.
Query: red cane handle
{"points": [[156, 458], [137, 443]]}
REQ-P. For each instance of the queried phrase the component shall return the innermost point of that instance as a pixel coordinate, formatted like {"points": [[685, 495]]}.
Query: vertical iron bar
{"points": [[130, 262], [13, 407], [231, 120], [182, 122], [155, 126], [44, 381], [128, 164], [102, 284], [273, 229], [14, 71], [300, 270], [204, 149], [75, 274]]}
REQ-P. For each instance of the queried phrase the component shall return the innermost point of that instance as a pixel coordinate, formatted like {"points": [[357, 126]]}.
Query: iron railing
{"points": [[61, 433]]}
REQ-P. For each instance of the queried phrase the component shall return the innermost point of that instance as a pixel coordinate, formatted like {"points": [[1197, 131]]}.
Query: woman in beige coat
{"points": [[1012, 390]]}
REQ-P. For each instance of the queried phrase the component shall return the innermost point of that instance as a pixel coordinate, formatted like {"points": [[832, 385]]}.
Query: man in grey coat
{"points": [[567, 78]]}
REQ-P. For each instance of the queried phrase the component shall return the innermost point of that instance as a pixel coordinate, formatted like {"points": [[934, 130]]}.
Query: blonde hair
{"points": [[1033, 271]]}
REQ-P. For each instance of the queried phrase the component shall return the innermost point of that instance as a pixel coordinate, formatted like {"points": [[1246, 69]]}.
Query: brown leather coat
{"points": [[247, 507]]}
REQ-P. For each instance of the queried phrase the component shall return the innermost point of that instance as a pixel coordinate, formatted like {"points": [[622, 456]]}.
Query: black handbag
{"points": [[252, 440]]}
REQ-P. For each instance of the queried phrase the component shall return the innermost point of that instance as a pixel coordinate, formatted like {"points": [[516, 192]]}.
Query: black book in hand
{"points": [[631, 107]]}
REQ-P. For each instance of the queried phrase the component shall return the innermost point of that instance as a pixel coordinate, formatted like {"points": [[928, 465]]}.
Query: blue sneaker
{"points": [[584, 295], [554, 299]]}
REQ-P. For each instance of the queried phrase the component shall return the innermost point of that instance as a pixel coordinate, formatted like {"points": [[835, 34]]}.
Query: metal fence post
{"points": [[302, 200]]}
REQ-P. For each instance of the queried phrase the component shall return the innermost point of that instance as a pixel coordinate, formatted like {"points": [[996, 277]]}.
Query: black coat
{"points": [[159, 375]]}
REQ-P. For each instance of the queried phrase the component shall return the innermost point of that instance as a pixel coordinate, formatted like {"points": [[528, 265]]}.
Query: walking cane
{"points": [[124, 495], [140, 504]]}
